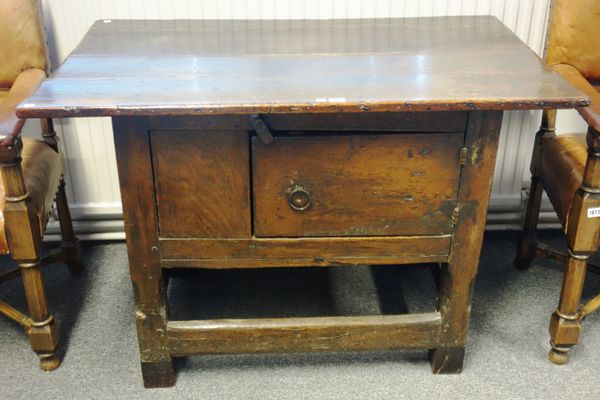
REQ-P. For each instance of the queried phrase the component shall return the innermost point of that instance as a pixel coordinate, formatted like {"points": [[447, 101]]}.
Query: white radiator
{"points": [[93, 188]]}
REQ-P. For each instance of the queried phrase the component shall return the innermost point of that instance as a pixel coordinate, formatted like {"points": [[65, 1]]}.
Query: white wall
{"points": [[93, 185]]}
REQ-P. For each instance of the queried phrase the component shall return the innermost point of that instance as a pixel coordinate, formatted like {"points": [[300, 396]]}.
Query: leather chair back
{"points": [[574, 36], [22, 43]]}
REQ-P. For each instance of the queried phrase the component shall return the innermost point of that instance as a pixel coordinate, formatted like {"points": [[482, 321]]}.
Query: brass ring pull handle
{"points": [[299, 199]]}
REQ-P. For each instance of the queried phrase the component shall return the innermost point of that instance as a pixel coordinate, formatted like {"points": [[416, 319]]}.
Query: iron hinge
{"points": [[462, 157], [455, 215]]}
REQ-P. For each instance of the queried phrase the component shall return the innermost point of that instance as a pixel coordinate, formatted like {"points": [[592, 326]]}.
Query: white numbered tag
{"points": [[593, 212]]}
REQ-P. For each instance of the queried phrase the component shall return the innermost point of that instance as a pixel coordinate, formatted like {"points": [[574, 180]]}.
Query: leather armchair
{"points": [[31, 178], [567, 167]]}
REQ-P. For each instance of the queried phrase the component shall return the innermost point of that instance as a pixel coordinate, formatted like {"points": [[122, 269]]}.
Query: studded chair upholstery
{"points": [[567, 167], [31, 178]]}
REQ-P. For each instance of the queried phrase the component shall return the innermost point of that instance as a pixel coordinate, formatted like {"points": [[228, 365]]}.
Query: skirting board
{"points": [[104, 222]]}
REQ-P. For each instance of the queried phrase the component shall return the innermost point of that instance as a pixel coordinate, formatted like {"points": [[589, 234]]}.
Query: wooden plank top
{"points": [[183, 67]]}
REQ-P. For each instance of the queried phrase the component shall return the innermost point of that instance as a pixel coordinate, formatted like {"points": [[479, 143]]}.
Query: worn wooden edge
{"points": [[457, 278], [298, 252], [134, 161], [435, 121], [312, 334], [297, 262], [39, 111]]}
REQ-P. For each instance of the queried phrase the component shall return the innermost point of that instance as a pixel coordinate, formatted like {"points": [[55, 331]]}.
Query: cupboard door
{"points": [[202, 184]]}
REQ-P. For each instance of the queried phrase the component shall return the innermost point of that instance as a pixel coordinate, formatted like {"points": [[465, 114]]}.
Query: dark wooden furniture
{"points": [[31, 178], [247, 144], [567, 167]]}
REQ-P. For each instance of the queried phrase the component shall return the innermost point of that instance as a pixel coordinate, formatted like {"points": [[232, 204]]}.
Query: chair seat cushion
{"points": [[42, 170], [559, 163]]}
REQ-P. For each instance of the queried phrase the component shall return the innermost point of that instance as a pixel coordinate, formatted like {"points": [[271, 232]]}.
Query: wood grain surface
{"points": [[125, 67], [284, 335], [434, 121], [303, 252], [134, 158], [457, 277], [202, 184], [360, 185]]}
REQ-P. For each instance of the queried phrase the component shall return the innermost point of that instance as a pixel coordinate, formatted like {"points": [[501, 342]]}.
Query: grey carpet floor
{"points": [[506, 354]]}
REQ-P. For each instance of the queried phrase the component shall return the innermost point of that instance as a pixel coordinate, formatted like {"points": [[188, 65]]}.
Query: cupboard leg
{"points": [[457, 277], [447, 360], [132, 145], [454, 304], [158, 374], [151, 322]]}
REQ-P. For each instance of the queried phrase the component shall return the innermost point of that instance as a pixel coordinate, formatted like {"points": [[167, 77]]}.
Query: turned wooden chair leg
{"points": [[43, 333], [583, 235], [70, 243], [565, 323], [24, 241], [525, 251]]}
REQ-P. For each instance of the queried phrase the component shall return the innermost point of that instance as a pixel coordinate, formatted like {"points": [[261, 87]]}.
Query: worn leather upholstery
{"points": [[573, 50], [591, 114], [574, 36], [559, 163], [42, 166], [24, 86], [42, 170], [23, 45]]}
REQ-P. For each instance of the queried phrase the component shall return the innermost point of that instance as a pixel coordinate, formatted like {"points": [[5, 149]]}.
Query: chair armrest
{"points": [[590, 114], [24, 86]]}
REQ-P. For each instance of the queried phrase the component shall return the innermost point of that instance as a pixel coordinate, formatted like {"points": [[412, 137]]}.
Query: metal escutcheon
{"points": [[299, 199]]}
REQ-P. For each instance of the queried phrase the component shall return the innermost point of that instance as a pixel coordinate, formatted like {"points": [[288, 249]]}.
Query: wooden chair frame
{"points": [[582, 241], [25, 244]]}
